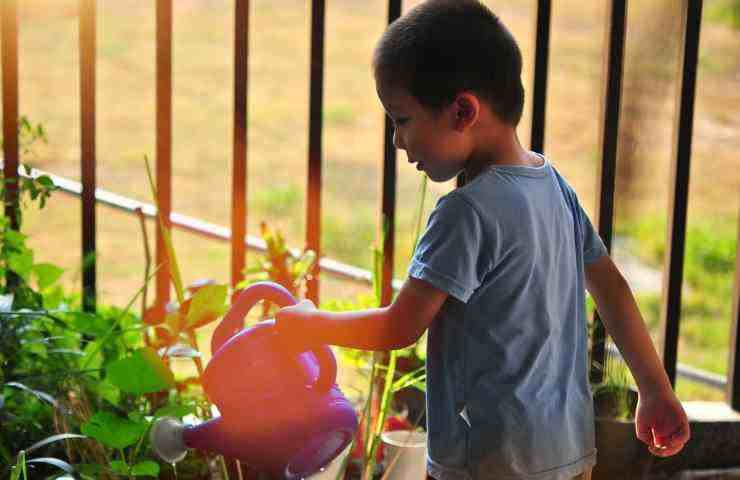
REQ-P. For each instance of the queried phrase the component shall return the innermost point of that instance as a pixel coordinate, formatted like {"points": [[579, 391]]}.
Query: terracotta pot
{"points": [[619, 453]]}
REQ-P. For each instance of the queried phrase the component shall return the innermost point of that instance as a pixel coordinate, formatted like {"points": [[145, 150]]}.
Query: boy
{"points": [[499, 274]]}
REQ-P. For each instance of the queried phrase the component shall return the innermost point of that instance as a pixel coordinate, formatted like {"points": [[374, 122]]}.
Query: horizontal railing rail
{"points": [[687, 372], [199, 227]]}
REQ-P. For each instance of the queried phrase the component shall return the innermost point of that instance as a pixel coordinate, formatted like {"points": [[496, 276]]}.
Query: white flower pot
{"points": [[405, 455]]}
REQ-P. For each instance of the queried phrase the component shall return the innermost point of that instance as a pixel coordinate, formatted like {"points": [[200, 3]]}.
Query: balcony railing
{"points": [[609, 134]]}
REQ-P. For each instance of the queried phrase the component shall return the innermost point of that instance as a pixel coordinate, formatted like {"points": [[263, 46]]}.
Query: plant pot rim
{"points": [[405, 438], [612, 419]]}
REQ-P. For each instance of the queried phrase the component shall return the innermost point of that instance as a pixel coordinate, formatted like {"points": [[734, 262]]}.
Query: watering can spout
{"points": [[171, 439]]}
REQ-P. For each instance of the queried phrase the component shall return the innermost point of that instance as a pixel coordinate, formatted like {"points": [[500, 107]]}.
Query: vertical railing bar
{"points": [[239, 179], [539, 89], [733, 376], [87, 148], [313, 207], [680, 169], [164, 141], [10, 118], [609, 132], [388, 207]]}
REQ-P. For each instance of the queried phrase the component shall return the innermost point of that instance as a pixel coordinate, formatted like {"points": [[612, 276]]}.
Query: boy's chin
{"points": [[441, 177]]}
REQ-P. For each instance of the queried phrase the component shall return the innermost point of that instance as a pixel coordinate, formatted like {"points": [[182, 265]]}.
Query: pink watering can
{"points": [[281, 410]]}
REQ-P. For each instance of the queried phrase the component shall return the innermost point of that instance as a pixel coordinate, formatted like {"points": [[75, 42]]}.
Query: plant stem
{"points": [[385, 403], [113, 327], [174, 269], [147, 267], [197, 360], [223, 465], [135, 452], [368, 421]]}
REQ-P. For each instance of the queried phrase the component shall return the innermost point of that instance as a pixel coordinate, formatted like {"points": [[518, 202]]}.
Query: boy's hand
{"points": [[661, 423], [291, 323]]}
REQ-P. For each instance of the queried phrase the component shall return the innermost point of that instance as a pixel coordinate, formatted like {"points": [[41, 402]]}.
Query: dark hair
{"points": [[443, 47]]}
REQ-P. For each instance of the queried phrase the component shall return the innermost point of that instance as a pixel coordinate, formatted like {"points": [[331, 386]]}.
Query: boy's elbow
{"points": [[392, 335], [402, 333]]}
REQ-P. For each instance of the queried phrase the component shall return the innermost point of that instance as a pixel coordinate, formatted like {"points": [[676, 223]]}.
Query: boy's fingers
{"points": [[671, 444], [644, 434], [665, 451], [679, 437]]}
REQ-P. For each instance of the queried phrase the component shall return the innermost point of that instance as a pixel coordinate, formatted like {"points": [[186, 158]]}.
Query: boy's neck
{"points": [[503, 150]]}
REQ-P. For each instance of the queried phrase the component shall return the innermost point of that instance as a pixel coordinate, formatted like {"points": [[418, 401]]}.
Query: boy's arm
{"points": [[388, 328], [661, 421]]}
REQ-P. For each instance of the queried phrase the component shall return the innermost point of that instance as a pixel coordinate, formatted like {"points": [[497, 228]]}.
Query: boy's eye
{"points": [[400, 121]]}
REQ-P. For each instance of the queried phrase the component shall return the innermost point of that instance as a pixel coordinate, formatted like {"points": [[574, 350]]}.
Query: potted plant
{"points": [[620, 453]]}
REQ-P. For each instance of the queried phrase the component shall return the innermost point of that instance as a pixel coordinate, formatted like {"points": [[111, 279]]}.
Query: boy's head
{"points": [[447, 58], [443, 47]]}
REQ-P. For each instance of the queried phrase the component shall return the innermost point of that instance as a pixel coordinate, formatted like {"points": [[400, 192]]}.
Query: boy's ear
{"points": [[466, 109]]}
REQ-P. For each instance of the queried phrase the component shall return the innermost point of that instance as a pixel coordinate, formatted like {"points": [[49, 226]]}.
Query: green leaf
{"points": [[25, 297], [142, 372], [120, 467], [51, 439], [47, 274], [37, 393], [20, 466], [90, 469], [53, 297], [61, 464], [88, 323], [21, 263], [177, 411], [46, 181], [93, 355], [14, 240], [145, 469], [208, 304], [113, 431], [108, 391]]}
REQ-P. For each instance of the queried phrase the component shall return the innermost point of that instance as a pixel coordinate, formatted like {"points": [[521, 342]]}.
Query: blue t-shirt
{"points": [[507, 357]]}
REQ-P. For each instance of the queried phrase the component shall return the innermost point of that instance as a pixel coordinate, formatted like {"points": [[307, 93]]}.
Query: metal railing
{"points": [[691, 11]]}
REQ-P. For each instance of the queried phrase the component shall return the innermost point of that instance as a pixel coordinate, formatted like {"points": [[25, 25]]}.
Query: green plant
{"points": [[106, 374], [615, 397], [22, 461], [280, 265], [16, 260], [384, 380]]}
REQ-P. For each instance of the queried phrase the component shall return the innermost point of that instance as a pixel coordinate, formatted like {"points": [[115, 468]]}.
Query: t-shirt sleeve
{"points": [[451, 254], [593, 246]]}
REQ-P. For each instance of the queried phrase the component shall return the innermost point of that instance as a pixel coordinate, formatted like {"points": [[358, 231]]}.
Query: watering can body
{"points": [[281, 410]]}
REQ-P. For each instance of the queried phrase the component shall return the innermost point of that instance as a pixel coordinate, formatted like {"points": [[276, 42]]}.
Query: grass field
{"points": [[278, 116]]}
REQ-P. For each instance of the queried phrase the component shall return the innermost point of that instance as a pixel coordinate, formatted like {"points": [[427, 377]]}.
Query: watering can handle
{"points": [[233, 322]]}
